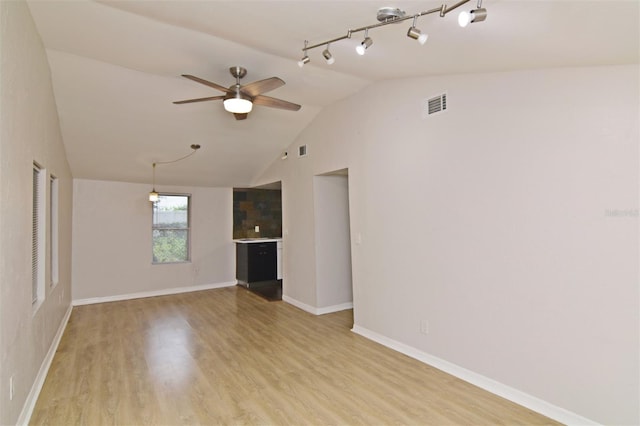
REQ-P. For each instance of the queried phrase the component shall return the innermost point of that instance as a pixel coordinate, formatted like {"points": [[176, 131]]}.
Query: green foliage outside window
{"points": [[171, 229], [170, 245]]}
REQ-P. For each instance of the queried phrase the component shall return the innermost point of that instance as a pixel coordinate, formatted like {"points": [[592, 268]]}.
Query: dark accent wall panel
{"points": [[262, 207]]}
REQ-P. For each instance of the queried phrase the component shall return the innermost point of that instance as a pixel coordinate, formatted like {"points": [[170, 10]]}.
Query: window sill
{"points": [[171, 263]]}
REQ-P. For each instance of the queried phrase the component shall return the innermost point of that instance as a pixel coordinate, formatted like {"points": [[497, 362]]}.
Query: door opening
{"points": [[334, 290]]}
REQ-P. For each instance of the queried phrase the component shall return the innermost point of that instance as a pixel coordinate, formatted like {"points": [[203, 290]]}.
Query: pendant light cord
{"points": [[194, 147]]}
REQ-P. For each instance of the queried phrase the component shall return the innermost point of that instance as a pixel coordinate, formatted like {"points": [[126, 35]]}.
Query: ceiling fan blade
{"points": [[210, 98], [262, 86], [275, 103], [206, 83], [241, 116]]}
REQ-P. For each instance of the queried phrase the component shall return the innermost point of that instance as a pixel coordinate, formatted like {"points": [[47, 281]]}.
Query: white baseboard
{"points": [[334, 308], [317, 311], [543, 407], [298, 304], [32, 397], [163, 292]]}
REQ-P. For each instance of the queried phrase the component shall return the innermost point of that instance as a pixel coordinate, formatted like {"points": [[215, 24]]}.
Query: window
{"points": [[37, 236], [170, 228], [53, 230]]}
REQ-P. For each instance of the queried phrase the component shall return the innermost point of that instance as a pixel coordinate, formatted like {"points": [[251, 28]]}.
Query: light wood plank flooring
{"points": [[227, 356]]}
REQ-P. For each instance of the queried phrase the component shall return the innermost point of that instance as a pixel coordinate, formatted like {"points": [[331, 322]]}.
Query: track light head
{"points": [[305, 60], [328, 56], [416, 34], [476, 15], [362, 47]]}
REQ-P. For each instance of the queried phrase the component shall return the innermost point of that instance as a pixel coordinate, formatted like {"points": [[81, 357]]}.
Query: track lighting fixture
{"points": [[153, 195], [479, 14], [390, 15], [328, 56], [476, 15], [305, 59], [366, 43], [416, 34]]}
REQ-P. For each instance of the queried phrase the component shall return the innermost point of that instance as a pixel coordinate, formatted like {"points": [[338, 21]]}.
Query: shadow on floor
{"points": [[269, 290]]}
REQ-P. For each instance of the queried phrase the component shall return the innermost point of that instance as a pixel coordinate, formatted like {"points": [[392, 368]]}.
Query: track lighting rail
{"points": [[393, 19], [368, 27]]}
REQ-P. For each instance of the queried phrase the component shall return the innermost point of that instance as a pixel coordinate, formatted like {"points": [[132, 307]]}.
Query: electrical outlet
{"points": [[424, 327], [257, 228], [11, 389]]}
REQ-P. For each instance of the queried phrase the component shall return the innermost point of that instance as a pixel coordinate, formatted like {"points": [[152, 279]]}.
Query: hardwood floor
{"points": [[228, 356]]}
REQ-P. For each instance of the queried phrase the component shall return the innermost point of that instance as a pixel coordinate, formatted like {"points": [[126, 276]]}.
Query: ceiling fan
{"points": [[240, 99]]}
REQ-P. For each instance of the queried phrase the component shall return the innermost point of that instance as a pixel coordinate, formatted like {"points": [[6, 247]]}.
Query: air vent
{"points": [[302, 151], [435, 105]]}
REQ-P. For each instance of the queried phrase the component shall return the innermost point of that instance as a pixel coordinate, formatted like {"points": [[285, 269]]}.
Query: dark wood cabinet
{"points": [[256, 262]]}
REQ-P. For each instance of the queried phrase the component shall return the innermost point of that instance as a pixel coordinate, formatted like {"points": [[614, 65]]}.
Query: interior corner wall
{"points": [[112, 241], [29, 131], [508, 222]]}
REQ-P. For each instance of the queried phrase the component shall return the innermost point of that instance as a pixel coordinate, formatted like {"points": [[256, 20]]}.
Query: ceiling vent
{"points": [[435, 105], [302, 151]]}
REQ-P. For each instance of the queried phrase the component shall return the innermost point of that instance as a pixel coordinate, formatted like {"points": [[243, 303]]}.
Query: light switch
{"points": [[257, 228]]}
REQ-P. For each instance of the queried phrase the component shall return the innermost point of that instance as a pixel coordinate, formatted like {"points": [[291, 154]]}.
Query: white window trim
{"points": [[54, 188], [39, 259], [188, 228]]}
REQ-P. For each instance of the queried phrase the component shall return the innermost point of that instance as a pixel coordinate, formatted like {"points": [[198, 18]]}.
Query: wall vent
{"points": [[302, 151], [435, 105]]}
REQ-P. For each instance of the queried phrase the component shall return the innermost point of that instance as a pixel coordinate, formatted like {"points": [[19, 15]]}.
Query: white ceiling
{"points": [[116, 69]]}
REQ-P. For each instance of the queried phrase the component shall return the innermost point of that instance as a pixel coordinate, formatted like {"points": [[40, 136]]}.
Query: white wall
{"points": [[493, 221], [112, 240], [29, 131], [333, 241]]}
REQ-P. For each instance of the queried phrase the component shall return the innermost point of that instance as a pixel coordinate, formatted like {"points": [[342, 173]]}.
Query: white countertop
{"points": [[257, 240]]}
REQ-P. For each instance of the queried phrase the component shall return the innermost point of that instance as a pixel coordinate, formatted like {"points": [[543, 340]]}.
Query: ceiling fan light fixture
{"points": [[238, 105], [239, 99]]}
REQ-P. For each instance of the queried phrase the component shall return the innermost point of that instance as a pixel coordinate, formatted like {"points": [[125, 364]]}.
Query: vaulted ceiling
{"points": [[116, 69]]}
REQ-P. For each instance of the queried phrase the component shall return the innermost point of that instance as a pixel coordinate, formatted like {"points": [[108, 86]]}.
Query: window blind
{"points": [[35, 234]]}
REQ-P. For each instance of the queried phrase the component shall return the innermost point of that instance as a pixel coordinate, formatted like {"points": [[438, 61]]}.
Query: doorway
{"points": [[334, 288]]}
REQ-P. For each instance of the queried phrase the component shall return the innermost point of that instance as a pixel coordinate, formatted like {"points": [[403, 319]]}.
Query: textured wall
{"points": [[494, 221], [29, 131], [112, 240]]}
